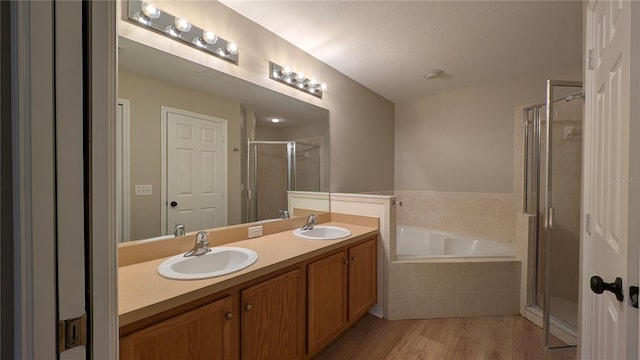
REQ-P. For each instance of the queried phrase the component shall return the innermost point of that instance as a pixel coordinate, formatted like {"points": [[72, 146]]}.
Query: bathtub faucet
{"points": [[311, 221]]}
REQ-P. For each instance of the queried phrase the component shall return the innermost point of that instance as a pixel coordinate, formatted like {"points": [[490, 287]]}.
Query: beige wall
{"points": [[146, 97], [361, 121], [462, 141]]}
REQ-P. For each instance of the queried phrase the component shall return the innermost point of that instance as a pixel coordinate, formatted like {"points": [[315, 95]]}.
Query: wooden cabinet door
{"points": [[362, 278], [202, 333], [326, 300], [271, 314]]}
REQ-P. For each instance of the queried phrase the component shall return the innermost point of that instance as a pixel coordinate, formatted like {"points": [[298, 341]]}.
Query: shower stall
{"points": [[552, 195], [275, 167]]}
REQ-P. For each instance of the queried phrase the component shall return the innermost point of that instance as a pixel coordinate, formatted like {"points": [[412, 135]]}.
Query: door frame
{"points": [[104, 249], [33, 172], [165, 110], [123, 176], [584, 322]]}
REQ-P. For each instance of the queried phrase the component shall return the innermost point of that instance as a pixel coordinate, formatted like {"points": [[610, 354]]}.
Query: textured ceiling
{"points": [[388, 45]]}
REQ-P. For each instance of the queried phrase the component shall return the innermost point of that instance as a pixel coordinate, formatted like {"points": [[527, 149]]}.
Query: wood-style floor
{"points": [[498, 337]]}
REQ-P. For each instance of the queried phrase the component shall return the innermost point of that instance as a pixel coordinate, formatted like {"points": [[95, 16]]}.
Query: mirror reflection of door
{"points": [[196, 170]]}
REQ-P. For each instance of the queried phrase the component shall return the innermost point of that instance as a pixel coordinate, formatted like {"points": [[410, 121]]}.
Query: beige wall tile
{"points": [[489, 303], [446, 277], [510, 302], [422, 304], [422, 277], [469, 277], [399, 277], [492, 275], [400, 306], [444, 304], [467, 303]]}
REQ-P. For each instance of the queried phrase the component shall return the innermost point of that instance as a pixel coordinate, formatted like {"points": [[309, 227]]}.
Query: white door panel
{"points": [[196, 171], [608, 171]]}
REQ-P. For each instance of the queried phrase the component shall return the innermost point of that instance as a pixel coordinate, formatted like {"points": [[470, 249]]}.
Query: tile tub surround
{"points": [[480, 214], [423, 290]]}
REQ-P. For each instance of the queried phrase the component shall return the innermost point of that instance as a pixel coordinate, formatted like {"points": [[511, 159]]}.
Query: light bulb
{"points": [[232, 48], [323, 86], [301, 85], [209, 37], [300, 76], [151, 11], [182, 25], [313, 82], [286, 70], [276, 74], [275, 120]]}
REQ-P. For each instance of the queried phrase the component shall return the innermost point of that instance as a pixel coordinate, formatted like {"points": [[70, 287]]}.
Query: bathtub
{"points": [[437, 274], [419, 243]]}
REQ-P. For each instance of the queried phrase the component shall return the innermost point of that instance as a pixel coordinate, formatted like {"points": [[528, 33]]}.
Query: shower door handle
{"points": [[598, 286], [550, 218]]}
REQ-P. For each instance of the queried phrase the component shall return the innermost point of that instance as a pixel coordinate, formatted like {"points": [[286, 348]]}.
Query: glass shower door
{"points": [[272, 168], [559, 233]]}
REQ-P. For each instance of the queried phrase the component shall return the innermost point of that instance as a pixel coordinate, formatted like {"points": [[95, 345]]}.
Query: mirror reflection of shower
{"points": [[552, 176], [276, 167]]}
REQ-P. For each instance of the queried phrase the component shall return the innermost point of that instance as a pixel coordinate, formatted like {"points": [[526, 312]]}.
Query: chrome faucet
{"points": [[179, 230], [201, 246], [311, 221], [285, 214]]}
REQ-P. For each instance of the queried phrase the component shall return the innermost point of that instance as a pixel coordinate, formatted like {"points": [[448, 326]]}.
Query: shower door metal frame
{"points": [[549, 211], [532, 274]]}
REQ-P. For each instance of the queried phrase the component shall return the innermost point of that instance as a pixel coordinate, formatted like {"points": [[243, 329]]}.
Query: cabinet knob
{"points": [[353, 258], [248, 307], [346, 262], [228, 316]]}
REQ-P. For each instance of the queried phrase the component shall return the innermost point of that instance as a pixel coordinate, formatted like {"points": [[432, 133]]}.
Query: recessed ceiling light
{"points": [[276, 120], [433, 74]]}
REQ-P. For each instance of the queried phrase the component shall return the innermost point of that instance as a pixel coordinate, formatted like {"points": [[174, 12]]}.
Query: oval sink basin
{"points": [[217, 262], [322, 232]]}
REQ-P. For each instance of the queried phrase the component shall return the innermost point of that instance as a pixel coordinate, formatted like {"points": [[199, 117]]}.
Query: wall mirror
{"points": [[204, 149]]}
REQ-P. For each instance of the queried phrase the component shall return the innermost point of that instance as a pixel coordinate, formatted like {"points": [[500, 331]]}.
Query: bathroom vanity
{"points": [[292, 302]]}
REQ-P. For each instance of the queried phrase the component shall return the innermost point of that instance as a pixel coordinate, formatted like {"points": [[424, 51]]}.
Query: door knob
{"points": [[598, 286], [173, 204]]}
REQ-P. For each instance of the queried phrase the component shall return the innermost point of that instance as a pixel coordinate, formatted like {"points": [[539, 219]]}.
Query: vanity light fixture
{"points": [[298, 80], [180, 29]]}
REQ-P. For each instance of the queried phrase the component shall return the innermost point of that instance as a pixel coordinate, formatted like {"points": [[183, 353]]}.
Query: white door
{"points": [[196, 171], [607, 329]]}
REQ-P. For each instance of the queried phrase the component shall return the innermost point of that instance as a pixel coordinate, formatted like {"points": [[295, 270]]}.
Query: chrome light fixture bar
{"points": [[298, 80], [148, 16]]}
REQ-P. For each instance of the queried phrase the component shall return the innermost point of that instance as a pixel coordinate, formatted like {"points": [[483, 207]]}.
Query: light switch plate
{"points": [[144, 190], [255, 231]]}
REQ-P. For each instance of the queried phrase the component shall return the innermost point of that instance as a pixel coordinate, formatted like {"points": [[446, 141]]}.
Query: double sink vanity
{"points": [[284, 295]]}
